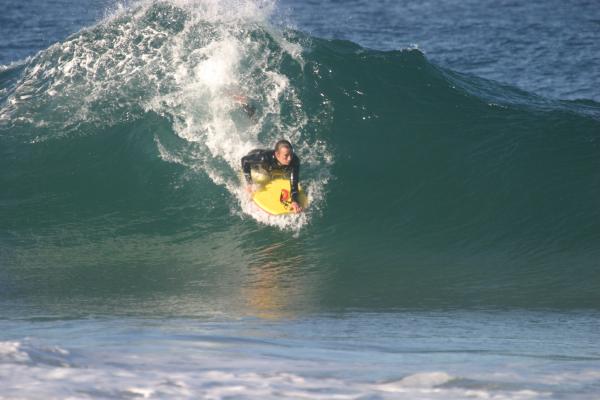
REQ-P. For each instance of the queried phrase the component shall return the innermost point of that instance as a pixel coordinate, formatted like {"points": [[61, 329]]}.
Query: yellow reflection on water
{"points": [[276, 283]]}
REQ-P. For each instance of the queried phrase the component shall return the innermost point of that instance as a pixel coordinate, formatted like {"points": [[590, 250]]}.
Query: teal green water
{"points": [[119, 151]]}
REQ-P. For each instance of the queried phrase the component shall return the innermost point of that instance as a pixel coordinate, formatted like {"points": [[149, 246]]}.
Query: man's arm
{"points": [[246, 165], [253, 158], [295, 177]]}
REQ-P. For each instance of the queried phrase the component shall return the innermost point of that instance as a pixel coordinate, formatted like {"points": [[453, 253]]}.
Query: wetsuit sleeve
{"points": [[255, 157], [295, 177], [246, 165]]}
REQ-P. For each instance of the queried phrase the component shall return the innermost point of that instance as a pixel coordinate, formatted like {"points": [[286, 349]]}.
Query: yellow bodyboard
{"points": [[275, 197]]}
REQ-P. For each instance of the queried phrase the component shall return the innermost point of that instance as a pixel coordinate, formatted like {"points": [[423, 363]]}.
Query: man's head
{"points": [[284, 152]]}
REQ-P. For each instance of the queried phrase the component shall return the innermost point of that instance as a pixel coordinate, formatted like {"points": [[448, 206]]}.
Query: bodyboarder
{"points": [[259, 165]]}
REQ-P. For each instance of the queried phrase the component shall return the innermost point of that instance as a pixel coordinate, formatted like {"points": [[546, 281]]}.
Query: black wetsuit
{"points": [[266, 160]]}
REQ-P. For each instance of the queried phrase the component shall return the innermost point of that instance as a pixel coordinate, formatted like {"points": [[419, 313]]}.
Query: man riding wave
{"points": [[259, 165]]}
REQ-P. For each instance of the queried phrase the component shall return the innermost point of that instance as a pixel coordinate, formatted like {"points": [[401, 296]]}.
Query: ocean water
{"points": [[451, 152]]}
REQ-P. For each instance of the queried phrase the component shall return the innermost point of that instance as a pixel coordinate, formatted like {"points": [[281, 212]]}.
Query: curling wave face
{"points": [[120, 151]]}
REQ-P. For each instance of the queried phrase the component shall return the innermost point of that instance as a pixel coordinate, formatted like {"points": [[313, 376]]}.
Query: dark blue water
{"points": [[547, 47], [451, 151]]}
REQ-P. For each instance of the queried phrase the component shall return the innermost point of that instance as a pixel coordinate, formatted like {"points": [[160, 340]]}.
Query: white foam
{"points": [[590, 375], [143, 392], [155, 381], [12, 351], [420, 380]]}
